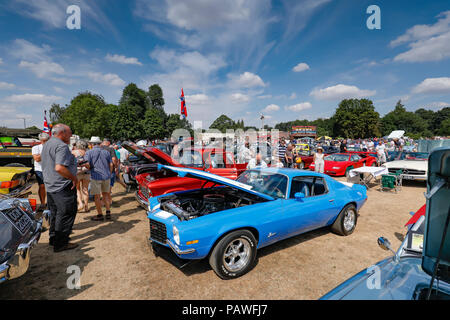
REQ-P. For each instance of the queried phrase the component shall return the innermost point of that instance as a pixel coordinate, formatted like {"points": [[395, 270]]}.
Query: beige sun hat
{"points": [[95, 140]]}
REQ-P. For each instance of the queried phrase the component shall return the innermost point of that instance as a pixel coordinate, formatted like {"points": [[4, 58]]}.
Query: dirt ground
{"points": [[117, 263]]}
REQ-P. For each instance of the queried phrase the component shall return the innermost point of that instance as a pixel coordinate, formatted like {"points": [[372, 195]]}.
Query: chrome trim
{"points": [[18, 265], [177, 250], [142, 203]]}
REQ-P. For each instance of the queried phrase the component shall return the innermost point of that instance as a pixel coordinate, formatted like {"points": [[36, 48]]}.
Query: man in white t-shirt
{"points": [[256, 162], [381, 152], [124, 153], [36, 152]]}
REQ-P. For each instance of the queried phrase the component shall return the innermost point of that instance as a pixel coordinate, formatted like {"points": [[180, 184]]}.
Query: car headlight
{"points": [[336, 168], [176, 235]]}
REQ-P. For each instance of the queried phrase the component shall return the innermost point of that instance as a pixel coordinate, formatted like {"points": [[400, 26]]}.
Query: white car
{"points": [[414, 165]]}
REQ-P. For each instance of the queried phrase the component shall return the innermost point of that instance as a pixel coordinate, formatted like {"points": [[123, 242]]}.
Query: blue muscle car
{"points": [[231, 220]]}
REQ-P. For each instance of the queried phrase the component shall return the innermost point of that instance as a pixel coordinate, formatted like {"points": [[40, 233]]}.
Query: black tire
{"points": [[15, 165], [342, 226], [218, 261]]}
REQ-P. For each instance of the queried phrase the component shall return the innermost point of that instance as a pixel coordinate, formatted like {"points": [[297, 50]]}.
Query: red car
{"points": [[306, 158], [154, 183], [339, 164]]}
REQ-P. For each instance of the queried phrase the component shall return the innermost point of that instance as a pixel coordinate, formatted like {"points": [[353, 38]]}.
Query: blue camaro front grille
{"points": [[158, 231]]}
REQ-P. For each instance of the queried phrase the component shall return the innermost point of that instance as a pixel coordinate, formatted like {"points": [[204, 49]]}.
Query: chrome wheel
{"points": [[237, 255], [349, 219]]}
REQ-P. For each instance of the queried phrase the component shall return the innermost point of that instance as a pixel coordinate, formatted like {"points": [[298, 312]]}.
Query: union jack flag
{"points": [[46, 126], [183, 104]]}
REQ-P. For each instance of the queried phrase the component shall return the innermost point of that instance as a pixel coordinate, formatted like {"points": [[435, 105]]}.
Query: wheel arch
{"points": [[253, 230]]}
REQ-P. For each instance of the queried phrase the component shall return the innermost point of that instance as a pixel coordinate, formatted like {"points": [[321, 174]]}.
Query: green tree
{"points": [[444, 130], [175, 121], [156, 96], [400, 119], [223, 123], [356, 118], [438, 120], [136, 98], [153, 124], [88, 115], [125, 123], [56, 113]]}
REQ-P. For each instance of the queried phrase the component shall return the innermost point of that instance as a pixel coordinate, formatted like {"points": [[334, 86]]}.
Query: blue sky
{"points": [[286, 59]]}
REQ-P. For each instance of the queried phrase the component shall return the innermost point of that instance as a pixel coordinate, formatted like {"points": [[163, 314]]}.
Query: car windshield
{"points": [[414, 156], [353, 148], [190, 158], [337, 157], [304, 152], [272, 184]]}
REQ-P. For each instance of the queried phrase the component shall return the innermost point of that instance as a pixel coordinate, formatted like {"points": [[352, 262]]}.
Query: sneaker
{"points": [[68, 246], [98, 217]]}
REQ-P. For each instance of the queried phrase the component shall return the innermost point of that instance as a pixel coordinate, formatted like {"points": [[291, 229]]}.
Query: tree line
{"points": [[357, 118], [139, 114]]}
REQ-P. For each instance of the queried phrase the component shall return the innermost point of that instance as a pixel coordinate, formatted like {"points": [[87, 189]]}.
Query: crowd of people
{"points": [[68, 174]]}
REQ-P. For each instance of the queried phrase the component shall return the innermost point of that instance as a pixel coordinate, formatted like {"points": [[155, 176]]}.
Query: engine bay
{"points": [[194, 204]]}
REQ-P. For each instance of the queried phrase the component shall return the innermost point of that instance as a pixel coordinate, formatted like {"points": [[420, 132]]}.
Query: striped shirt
{"points": [[281, 151]]}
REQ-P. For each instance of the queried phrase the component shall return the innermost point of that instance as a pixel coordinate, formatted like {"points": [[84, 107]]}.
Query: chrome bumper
{"points": [[142, 202], [17, 265], [177, 250]]}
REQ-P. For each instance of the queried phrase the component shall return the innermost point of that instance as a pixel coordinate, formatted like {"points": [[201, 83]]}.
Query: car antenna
{"points": [[439, 255]]}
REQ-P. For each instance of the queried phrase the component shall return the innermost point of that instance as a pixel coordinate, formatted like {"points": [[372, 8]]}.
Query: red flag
{"points": [[46, 126], [183, 104]]}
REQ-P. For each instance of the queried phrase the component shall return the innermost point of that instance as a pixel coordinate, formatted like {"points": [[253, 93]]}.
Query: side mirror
{"points": [[384, 243], [299, 196]]}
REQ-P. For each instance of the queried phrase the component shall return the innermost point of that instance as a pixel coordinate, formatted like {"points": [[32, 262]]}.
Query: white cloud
{"points": [[43, 68], [293, 96], [299, 107], [246, 80], [438, 105], [197, 99], [194, 61], [6, 86], [271, 108], [341, 91], [1, 61], [52, 13], [239, 98], [109, 78], [433, 86], [426, 42], [26, 50], [267, 96], [122, 59], [301, 67], [31, 98]]}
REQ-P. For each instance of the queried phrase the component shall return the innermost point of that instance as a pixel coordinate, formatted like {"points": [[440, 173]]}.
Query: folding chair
{"points": [[398, 178], [388, 181]]}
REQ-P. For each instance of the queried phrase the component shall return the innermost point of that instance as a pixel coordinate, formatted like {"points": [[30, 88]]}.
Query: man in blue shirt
{"points": [[99, 162]]}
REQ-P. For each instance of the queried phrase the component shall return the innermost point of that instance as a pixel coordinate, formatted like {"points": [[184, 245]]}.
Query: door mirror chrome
{"points": [[299, 196], [384, 243]]}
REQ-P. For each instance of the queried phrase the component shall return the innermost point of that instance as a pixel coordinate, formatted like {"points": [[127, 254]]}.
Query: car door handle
{"points": [[332, 200]]}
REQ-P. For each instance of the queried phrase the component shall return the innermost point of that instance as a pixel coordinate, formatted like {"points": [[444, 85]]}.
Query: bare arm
{"points": [[37, 157]]}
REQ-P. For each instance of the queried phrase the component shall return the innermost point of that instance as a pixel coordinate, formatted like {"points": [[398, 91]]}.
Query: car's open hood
{"points": [[437, 213], [154, 155], [198, 174]]}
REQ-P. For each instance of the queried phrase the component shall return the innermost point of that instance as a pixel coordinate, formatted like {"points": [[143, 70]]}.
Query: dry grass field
{"points": [[117, 263]]}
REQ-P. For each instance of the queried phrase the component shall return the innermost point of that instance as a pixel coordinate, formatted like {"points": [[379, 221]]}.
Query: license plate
{"points": [[20, 220], [406, 177]]}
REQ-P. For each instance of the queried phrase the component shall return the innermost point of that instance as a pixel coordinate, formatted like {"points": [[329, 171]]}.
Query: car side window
{"points": [[319, 187], [301, 184], [355, 158]]}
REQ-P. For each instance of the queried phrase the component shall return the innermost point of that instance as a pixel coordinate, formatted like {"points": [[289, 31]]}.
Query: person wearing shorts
{"points": [[99, 162], [36, 152]]}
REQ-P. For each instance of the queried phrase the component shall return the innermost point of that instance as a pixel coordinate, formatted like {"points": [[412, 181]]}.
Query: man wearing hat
{"points": [[99, 161]]}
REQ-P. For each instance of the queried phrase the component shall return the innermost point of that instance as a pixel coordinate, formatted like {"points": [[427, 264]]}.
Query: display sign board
{"points": [[304, 131]]}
